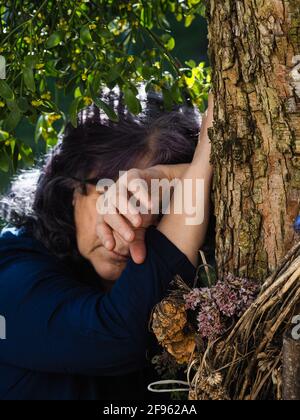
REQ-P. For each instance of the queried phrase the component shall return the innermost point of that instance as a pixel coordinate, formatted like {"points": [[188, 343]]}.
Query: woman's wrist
{"points": [[169, 172], [203, 149]]}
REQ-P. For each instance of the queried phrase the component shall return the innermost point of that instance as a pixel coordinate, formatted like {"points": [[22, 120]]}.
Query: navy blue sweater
{"points": [[64, 336]]}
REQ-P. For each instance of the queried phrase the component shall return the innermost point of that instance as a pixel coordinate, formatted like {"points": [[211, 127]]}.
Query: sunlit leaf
{"points": [[85, 35], [54, 40], [189, 20], [39, 128], [4, 135], [4, 161], [169, 42], [132, 101], [107, 109], [74, 111]]}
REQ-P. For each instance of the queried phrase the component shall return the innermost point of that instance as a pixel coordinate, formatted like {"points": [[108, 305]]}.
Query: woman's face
{"points": [[108, 264]]}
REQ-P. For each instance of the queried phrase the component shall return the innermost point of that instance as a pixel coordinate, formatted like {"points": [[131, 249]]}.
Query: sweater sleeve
{"points": [[55, 324]]}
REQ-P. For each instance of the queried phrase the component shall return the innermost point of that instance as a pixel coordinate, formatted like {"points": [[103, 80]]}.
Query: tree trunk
{"points": [[255, 55]]}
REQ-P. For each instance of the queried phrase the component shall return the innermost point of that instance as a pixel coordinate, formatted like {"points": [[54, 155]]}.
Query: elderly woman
{"points": [[77, 288]]}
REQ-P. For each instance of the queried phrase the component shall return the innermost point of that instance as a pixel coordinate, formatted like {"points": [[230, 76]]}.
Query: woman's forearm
{"points": [[190, 238]]}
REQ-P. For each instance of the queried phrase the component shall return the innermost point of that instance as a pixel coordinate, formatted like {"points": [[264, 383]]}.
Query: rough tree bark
{"points": [[255, 54]]}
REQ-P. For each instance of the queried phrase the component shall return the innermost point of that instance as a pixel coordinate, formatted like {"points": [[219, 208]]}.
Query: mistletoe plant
{"points": [[67, 51]]}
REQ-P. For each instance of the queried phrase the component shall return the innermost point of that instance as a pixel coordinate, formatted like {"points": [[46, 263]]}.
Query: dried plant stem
{"points": [[286, 260], [267, 339]]}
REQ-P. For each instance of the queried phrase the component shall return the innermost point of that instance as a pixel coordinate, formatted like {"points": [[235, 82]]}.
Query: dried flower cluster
{"points": [[215, 306], [207, 388]]}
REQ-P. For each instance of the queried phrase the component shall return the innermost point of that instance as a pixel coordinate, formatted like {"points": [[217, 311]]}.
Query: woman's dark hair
{"points": [[41, 199]]}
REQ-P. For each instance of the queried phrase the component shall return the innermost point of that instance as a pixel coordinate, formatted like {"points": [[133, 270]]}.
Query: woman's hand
{"points": [[203, 149], [119, 213]]}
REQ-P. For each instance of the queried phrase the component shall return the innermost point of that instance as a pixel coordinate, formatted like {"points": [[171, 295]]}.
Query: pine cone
{"points": [[169, 324]]}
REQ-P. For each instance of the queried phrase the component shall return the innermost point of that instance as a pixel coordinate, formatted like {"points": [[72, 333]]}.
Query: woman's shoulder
{"points": [[23, 255], [25, 261], [19, 240]]}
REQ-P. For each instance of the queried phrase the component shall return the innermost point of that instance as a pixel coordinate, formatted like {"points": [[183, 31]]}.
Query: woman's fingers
{"points": [[106, 236], [108, 207], [140, 195], [134, 183], [127, 209], [118, 224], [137, 248]]}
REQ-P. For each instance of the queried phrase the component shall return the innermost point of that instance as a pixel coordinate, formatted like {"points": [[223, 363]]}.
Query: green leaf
{"points": [[74, 111], [105, 33], [168, 100], [96, 83], [176, 94], [52, 141], [169, 42], [147, 72], [133, 88], [43, 85], [191, 63], [5, 91], [132, 101], [114, 74], [4, 135], [39, 128], [101, 104], [77, 92], [50, 68], [27, 156], [12, 146], [23, 104], [85, 35], [12, 105], [106, 108], [29, 79], [54, 40], [4, 161], [189, 20], [12, 120], [31, 61]]}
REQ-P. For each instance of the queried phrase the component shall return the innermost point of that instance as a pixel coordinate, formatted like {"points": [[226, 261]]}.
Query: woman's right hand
{"points": [[117, 214], [203, 149]]}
